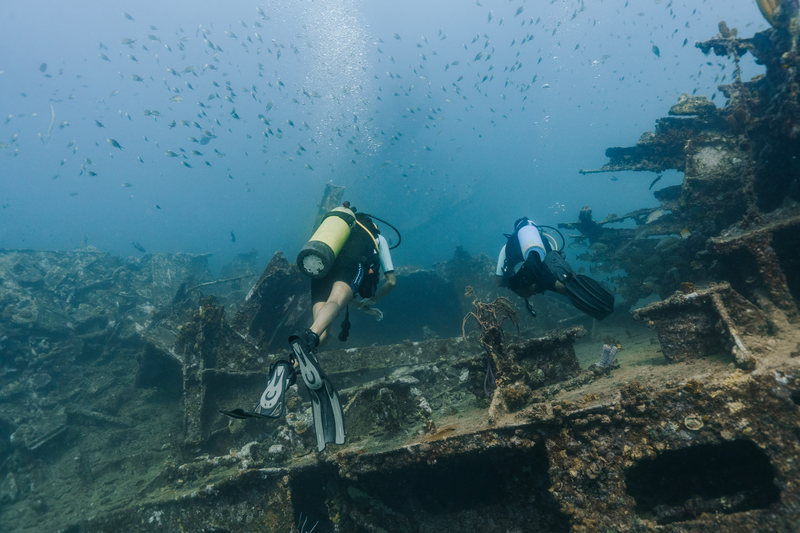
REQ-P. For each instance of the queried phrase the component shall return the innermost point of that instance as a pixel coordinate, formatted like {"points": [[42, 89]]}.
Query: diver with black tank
{"points": [[344, 258], [529, 264]]}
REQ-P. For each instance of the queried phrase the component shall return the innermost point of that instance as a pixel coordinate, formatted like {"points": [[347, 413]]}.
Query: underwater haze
{"points": [[177, 126]]}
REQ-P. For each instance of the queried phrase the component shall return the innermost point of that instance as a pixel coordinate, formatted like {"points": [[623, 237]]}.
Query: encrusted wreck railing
{"points": [[740, 182]]}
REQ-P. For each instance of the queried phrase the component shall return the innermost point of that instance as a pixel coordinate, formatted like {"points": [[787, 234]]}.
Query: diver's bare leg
{"points": [[326, 312]]}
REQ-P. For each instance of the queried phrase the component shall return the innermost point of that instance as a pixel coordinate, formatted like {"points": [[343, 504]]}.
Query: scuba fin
{"points": [[241, 414], [586, 294], [589, 296], [557, 269], [306, 357], [326, 408], [328, 415], [281, 376], [273, 400]]}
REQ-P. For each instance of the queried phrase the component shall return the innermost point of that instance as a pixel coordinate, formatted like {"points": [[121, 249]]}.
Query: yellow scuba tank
{"points": [[318, 255]]}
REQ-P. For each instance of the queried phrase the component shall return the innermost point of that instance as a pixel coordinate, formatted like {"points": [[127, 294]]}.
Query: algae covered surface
{"points": [[125, 430]]}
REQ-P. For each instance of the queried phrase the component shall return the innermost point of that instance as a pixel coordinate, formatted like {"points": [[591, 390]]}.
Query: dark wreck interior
{"points": [[695, 427]]}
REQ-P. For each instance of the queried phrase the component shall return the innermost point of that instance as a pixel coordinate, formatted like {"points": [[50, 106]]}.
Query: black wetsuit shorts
{"points": [[346, 270]]}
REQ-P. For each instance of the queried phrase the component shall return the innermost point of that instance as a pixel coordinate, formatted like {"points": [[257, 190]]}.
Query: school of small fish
{"points": [[245, 89]]}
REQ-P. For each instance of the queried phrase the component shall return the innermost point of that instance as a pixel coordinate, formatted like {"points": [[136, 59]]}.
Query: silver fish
{"points": [[655, 215]]}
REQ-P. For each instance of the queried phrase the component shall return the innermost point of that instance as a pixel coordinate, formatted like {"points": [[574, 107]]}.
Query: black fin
{"points": [[241, 414], [589, 296]]}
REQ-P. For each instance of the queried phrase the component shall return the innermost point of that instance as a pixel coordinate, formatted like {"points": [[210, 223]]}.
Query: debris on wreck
{"points": [[700, 323], [522, 367], [607, 357]]}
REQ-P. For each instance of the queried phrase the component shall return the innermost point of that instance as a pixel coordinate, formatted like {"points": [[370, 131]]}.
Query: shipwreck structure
{"points": [[469, 417]]}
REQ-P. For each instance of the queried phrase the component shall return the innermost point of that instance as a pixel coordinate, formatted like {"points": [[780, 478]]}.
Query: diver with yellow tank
{"points": [[343, 259], [529, 264]]}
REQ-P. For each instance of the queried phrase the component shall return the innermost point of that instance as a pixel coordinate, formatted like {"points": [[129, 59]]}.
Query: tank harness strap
{"points": [[370, 236]]}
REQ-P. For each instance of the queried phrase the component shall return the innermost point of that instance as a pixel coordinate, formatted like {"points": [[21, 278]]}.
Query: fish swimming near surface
{"points": [[114, 143]]}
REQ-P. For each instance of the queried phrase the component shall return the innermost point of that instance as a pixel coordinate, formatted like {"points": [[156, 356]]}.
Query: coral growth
{"points": [[490, 318]]}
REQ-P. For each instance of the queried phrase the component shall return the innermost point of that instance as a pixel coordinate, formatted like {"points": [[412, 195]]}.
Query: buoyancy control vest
{"points": [[362, 247], [514, 249]]}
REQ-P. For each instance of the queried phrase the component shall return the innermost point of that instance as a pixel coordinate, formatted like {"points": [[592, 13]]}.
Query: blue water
{"points": [[365, 94]]}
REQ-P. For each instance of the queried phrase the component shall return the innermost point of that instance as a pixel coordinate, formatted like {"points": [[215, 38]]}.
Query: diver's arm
{"points": [[386, 288], [388, 273], [499, 279], [367, 305]]}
